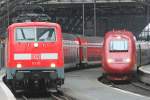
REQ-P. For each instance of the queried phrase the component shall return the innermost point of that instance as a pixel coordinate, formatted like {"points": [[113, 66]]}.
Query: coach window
{"points": [[46, 34], [25, 34]]}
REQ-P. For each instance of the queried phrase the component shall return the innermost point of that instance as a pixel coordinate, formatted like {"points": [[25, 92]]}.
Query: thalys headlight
{"points": [[110, 60], [127, 60], [53, 65], [19, 65]]}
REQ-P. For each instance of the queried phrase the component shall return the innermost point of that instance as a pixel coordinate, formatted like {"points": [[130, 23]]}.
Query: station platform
{"points": [[144, 74], [5, 93], [83, 85]]}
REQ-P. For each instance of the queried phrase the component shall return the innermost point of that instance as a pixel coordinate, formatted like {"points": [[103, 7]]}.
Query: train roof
{"points": [[34, 24], [94, 39], [121, 32], [67, 36], [91, 39]]}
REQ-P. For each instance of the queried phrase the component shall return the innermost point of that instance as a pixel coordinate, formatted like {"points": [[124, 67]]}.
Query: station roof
{"points": [[8, 8]]}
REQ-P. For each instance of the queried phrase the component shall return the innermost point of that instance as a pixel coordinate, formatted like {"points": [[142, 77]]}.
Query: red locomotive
{"points": [[38, 52], [34, 54], [119, 54]]}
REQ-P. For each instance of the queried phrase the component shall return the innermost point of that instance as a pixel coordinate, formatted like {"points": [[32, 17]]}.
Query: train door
{"points": [[84, 50]]}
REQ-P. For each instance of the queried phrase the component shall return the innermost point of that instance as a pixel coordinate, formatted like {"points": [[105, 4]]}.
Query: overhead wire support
{"points": [[143, 2], [83, 18], [95, 18], [147, 4], [8, 17]]}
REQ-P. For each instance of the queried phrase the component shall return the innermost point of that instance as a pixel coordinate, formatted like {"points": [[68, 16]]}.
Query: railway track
{"points": [[48, 96], [24, 97], [61, 96], [134, 86]]}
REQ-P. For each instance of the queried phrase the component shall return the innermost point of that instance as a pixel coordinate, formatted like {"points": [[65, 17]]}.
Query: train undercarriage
{"points": [[35, 81]]}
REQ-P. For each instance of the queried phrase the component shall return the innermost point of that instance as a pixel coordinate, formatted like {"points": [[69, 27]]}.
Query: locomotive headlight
{"points": [[127, 60], [110, 60], [36, 45], [19, 65], [53, 65]]}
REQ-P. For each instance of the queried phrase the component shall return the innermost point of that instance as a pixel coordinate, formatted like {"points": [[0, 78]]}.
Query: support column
{"points": [[83, 15], [8, 12], [95, 18]]}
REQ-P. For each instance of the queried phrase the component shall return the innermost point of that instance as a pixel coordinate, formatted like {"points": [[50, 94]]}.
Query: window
{"points": [[45, 34], [25, 34], [35, 34], [118, 45]]}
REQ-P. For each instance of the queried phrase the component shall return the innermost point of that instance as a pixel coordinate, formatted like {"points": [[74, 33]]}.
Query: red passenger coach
{"points": [[70, 51], [119, 54], [90, 50], [35, 53]]}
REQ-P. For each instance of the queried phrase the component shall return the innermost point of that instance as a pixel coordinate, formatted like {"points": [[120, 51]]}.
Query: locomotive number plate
{"points": [[36, 56], [118, 60]]}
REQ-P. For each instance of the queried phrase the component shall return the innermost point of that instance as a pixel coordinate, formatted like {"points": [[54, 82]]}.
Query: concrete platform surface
{"points": [[144, 74], [83, 85], [5, 93], [145, 69]]}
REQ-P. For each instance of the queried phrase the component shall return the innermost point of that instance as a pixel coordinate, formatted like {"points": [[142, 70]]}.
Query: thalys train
{"points": [[122, 54], [37, 53]]}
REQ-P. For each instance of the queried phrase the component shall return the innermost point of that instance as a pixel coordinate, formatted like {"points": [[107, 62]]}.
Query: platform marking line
{"points": [[128, 92]]}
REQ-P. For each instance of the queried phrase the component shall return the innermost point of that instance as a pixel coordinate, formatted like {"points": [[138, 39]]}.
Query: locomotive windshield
{"points": [[118, 45], [35, 34]]}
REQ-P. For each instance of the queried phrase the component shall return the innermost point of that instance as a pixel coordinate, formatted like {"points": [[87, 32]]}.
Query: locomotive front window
{"points": [[25, 34], [46, 34], [35, 34], [118, 45]]}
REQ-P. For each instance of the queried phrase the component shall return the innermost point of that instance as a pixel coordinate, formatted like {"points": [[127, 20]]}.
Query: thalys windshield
{"points": [[35, 34], [118, 45]]}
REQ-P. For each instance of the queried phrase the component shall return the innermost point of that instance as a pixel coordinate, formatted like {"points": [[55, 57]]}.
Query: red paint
{"points": [[28, 47]]}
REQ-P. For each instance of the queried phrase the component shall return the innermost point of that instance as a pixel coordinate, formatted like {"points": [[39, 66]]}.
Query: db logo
{"points": [[36, 56]]}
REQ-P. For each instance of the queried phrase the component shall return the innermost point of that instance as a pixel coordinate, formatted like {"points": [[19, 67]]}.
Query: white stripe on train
{"points": [[29, 56]]}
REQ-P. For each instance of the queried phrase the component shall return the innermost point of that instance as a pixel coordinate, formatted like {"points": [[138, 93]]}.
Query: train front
{"points": [[34, 56], [119, 51]]}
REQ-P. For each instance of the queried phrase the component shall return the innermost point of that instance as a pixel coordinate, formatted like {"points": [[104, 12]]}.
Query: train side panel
{"points": [[143, 51], [94, 50], [90, 50], [70, 50]]}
